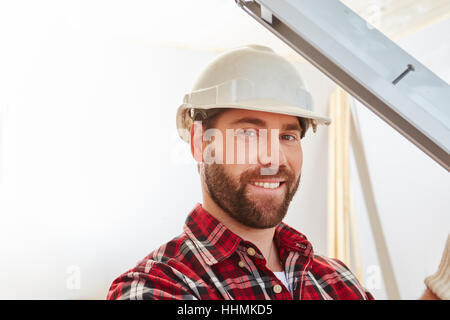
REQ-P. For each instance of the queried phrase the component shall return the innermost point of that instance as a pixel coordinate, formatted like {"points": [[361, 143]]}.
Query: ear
{"points": [[197, 141]]}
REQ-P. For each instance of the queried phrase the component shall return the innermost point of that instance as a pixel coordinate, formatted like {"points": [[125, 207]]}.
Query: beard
{"points": [[233, 197]]}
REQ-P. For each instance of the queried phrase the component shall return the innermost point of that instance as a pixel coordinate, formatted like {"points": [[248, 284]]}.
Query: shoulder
{"points": [[336, 279], [169, 272], [325, 265]]}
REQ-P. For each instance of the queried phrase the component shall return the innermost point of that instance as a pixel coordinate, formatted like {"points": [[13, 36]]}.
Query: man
{"points": [[244, 120]]}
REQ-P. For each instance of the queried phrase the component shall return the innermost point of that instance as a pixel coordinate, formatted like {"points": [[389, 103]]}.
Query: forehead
{"points": [[236, 117]]}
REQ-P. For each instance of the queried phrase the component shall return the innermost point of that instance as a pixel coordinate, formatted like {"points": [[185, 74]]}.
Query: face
{"points": [[252, 196]]}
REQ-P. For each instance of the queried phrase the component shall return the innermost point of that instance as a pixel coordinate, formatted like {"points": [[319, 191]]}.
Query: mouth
{"points": [[268, 184]]}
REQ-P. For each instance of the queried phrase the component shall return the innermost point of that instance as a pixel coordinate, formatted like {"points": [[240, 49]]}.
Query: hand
{"points": [[438, 284], [429, 295]]}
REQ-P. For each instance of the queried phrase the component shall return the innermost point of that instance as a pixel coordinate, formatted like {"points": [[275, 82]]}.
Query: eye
{"points": [[251, 133], [289, 137]]}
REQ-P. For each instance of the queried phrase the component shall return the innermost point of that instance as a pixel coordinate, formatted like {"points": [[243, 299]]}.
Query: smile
{"points": [[267, 185]]}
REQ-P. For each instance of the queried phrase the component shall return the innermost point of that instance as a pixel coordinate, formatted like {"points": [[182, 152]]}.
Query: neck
{"points": [[262, 238]]}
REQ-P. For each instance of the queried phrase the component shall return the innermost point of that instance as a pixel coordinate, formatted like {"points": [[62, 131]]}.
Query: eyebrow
{"points": [[262, 123]]}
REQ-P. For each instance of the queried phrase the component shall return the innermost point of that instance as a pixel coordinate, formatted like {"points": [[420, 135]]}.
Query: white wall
{"points": [[99, 181], [93, 175]]}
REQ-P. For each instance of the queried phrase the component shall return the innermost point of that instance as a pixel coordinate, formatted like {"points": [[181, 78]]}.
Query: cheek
{"points": [[295, 161]]}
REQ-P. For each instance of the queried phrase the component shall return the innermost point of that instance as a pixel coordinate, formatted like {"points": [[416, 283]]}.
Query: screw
{"points": [[403, 74]]}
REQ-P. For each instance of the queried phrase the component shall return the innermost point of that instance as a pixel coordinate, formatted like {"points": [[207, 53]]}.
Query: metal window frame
{"points": [[382, 104]]}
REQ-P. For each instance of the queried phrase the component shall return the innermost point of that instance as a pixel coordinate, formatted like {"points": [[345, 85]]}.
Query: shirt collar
{"points": [[215, 242], [212, 239], [288, 239]]}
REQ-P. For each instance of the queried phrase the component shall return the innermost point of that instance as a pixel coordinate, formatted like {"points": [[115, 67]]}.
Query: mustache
{"points": [[254, 174]]}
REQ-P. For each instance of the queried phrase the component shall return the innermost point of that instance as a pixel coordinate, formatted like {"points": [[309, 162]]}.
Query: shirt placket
{"points": [[277, 290], [296, 264]]}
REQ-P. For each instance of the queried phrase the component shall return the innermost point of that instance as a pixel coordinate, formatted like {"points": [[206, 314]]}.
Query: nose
{"points": [[271, 155]]}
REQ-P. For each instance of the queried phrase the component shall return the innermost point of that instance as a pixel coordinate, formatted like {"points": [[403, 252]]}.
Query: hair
{"points": [[209, 117]]}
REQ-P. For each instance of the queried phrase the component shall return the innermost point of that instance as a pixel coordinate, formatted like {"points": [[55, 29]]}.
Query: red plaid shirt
{"points": [[208, 261]]}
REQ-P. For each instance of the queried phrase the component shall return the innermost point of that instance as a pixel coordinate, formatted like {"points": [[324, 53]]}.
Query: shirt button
{"points": [[277, 288], [241, 264], [251, 251]]}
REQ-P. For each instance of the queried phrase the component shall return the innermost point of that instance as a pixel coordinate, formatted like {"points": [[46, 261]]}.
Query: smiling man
{"points": [[244, 121], [238, 195], [240, 190]]}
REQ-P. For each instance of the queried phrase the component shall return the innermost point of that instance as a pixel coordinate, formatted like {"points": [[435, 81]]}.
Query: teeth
{"points": [[267, 185]]}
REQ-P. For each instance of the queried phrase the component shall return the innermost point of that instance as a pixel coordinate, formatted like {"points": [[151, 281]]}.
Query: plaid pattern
{"points": [[208, 261]]}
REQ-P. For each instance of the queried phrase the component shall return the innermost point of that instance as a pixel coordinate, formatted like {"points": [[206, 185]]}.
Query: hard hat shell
{"points": [[251, 77]]}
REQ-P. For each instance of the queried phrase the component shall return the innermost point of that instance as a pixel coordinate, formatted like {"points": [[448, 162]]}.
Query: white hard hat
{"points": [[251, 77]]}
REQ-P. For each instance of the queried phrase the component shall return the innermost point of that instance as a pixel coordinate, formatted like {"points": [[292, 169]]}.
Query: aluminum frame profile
{"points": [[344, 75]]}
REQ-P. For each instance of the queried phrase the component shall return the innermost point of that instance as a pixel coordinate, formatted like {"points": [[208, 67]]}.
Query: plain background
{"points": [[93, 175]]}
